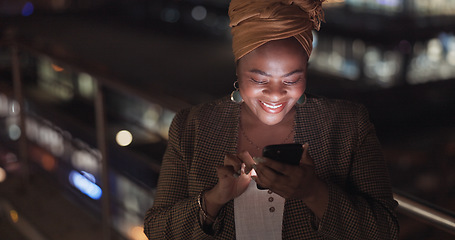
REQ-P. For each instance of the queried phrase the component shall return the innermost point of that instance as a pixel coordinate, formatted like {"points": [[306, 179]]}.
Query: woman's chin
{"points": [[271, 120]]}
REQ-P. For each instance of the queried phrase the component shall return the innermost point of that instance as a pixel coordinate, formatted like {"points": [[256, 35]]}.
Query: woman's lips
{"points": [[272, 107]]}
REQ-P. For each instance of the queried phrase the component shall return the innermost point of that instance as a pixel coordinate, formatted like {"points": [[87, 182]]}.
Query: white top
{"points": [[258, 214]]}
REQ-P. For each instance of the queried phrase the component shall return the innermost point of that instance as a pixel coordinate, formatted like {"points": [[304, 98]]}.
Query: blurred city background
{"points": [[88, 89]]}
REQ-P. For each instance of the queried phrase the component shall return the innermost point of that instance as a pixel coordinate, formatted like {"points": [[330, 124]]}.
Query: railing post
{"points": [[102, 146], [19, 97]]}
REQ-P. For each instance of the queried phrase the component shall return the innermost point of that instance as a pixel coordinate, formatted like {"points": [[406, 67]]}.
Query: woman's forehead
{"points": [[279, 53]]}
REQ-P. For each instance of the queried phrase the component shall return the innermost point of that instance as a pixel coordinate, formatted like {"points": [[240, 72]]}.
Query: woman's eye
{"points": [[291, 82], [258, 81]]}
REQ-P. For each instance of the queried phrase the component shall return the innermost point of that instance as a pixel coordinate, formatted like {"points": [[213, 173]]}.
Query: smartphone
{"points": [[286, 153]]}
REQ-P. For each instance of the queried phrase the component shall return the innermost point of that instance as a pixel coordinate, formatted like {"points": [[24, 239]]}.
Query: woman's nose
{"points": [[274, 91]]}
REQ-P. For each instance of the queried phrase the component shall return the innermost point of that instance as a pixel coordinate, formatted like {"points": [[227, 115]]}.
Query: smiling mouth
{"points": [[272, 106]]}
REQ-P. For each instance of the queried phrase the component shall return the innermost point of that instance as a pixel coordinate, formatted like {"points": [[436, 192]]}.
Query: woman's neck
{"points": [[250, 120], [254, 134]]}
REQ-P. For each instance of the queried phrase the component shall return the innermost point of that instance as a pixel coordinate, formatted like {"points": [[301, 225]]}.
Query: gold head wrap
{"points": [[256, 22]]}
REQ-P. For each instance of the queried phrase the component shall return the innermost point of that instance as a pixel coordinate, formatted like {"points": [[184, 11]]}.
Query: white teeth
{"points": [[271, 106]]}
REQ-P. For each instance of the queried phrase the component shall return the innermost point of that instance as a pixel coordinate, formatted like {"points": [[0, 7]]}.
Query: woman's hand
{"points": [[297, 182], [233, 180]]}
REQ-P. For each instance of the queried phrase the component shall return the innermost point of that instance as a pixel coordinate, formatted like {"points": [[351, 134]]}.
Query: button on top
{"points": [[269, 192], [270, 199], [272, 209]]}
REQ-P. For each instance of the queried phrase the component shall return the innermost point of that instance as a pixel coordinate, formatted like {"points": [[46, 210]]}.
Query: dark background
{"points": [[156, 57]]}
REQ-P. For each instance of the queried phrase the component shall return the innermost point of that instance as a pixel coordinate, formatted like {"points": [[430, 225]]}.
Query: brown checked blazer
{"points": [[345, 150]]}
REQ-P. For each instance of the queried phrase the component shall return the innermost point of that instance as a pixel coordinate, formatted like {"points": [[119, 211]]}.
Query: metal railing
{"points": [[425, 212]]}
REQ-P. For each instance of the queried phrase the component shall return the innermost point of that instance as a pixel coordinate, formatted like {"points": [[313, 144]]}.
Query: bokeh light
{"points": [[199, 13], [14, 216], [137, 233], [2, 175], [124, 138], [57, 68], [14, 132], [28, 9], [84, 183], [86, 85], [48, 162], [170, 15], [4, 105], [15, 108]]}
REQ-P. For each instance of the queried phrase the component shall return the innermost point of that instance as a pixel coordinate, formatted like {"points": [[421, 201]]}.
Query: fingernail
{"points": [[253, 173], [254, 167], [259, 159]]}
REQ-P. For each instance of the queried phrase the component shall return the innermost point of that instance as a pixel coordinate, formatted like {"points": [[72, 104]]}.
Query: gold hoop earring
{"points": [[235, 95]]}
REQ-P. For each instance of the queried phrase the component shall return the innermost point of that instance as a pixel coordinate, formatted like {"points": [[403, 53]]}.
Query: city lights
{"points": [[199, 13], [54, 80], [433, 60], [85, 183], [15, 108], [86, 85], [152, 116], [434, 7], [85, 161], [124, 138], [59, 143], [28, 9], [170, 15], [46, 136], [137, 233], [389, 2], [14, 216], [48, 162], [4, 103], [2, 175], [14, 132], [57, 68]]}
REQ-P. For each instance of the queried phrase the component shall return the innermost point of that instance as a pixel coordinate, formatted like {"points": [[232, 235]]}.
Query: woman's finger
{"points": [[246, 158], [225, 171], [306, 159], [279, 167], [266, 175], [233, 160]]}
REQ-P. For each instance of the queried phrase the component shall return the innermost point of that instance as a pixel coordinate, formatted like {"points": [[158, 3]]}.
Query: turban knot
{"points": [[256, 22]]}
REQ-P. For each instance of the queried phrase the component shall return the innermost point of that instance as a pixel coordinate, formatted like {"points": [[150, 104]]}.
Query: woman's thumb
{"points": [[306, 159]]}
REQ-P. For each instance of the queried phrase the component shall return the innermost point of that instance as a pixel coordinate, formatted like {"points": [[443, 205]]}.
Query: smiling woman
{"points": [[208, 185], [272, 79]]}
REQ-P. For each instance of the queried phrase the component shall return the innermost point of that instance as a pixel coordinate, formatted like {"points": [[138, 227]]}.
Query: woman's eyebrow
{"points": [[257, 71], [292, 73]]}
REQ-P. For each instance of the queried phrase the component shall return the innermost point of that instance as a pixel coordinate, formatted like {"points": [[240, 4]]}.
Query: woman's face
{"points": [[272, 78]]}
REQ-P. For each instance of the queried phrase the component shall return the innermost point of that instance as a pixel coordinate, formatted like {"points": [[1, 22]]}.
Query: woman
{"points": [[207, 186]]}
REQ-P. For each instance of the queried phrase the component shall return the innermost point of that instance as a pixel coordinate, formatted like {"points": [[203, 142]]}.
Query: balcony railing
{"points": [[425, 212]]}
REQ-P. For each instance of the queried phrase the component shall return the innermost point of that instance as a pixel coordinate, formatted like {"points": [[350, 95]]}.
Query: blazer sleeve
{"points": [[175, 213], [364, 209]]}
